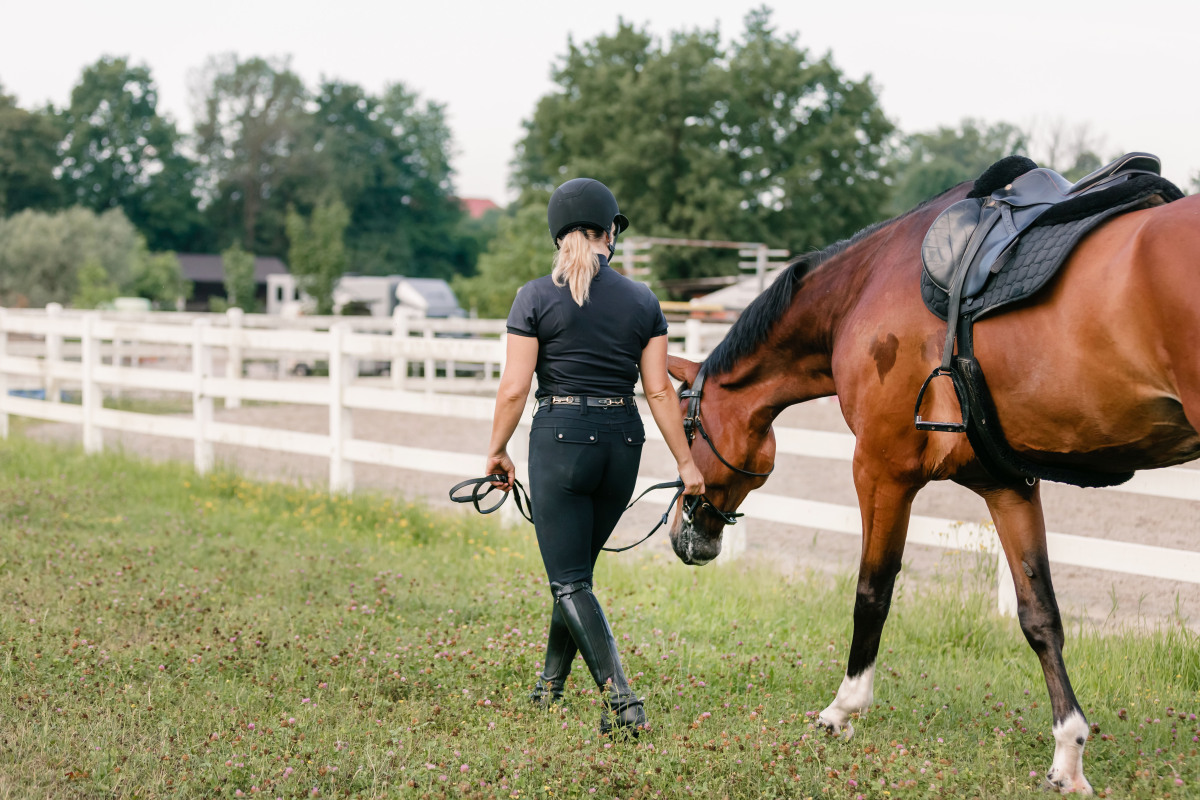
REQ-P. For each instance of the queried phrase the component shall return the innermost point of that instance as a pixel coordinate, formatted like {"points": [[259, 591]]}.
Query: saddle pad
{"points": [[1045, 246]]}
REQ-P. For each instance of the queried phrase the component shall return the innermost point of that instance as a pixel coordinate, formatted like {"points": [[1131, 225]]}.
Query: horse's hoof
{"points": [[844, 730], [1056, 781]]}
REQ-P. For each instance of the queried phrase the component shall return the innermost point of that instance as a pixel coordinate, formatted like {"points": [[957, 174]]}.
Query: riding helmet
{"points": [[583, 203]]}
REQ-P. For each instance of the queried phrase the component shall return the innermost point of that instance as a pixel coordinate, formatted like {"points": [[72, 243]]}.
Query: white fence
{"points": [[44, 353]]}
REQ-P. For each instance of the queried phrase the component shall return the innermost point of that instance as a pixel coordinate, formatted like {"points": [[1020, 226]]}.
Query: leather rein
{"points": [[692, 425]]}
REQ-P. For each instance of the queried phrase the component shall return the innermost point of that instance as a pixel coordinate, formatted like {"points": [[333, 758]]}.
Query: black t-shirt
{"points": [[589, 350]]}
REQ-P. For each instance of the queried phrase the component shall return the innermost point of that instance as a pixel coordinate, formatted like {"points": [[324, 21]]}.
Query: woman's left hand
{"points": [[501, 464]]}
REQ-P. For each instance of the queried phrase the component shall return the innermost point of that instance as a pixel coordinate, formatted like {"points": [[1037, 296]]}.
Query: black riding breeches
{"points": [[582, 466]]}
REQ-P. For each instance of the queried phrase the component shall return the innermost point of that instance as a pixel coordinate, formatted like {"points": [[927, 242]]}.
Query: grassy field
{"points": [[171, 635]]}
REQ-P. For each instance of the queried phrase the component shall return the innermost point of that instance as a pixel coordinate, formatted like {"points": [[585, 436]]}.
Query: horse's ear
{"points": [[681, 369]]}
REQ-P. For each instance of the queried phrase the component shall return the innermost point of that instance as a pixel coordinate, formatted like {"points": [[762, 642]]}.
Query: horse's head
{"points": [[734, 455]]}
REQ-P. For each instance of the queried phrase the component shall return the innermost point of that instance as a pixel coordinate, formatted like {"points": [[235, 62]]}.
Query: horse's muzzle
{"points": [[692, 546]]}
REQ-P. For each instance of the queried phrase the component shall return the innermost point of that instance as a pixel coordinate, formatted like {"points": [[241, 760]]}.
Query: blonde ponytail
{"points": [[575, 263]]}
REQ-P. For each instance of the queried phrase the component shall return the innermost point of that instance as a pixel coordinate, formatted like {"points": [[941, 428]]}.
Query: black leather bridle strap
{"points": [[524, 505], [692, 425]]}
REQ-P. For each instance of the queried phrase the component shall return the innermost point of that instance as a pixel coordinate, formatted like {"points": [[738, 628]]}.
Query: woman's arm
{"points": [[664, 406], [521, 353]]}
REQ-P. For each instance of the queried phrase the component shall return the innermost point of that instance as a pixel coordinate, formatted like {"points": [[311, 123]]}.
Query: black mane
{"points": [[753, 327]]}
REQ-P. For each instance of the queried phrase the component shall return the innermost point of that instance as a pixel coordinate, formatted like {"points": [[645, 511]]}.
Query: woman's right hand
{"points": [[693, 481], [501, 464]]}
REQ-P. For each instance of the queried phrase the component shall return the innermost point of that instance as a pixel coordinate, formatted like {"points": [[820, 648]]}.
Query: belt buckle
{"points": [[611, 401], [559, 400]]}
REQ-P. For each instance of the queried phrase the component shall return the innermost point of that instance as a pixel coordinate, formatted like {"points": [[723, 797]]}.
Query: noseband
{"points": [[692, 425]]}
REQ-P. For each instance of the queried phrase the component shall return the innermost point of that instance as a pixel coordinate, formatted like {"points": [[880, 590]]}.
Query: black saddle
{"points": [[976, 235], [1003, 244]]}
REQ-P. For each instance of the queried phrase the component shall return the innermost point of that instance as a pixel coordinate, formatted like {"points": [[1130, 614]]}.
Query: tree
{"points": [[1196, 183], [28, 156], [158, 277], [238, 266], [41, 253], [118, 152], [388, 158], [757, 141], [317, 253], [1070, 150], [250, 121], [934, 161], [520, 252], [94, 287]]}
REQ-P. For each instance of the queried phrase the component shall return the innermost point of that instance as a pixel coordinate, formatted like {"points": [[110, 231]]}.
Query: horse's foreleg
{"points": [[1022, 529], [885, 510]]}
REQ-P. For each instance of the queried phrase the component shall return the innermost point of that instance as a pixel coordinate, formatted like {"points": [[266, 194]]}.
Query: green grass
{"points": [[171, 635]]}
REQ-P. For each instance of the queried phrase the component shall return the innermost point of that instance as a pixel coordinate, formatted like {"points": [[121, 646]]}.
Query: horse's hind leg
{"points": [[1022, 529], [885, 507]]}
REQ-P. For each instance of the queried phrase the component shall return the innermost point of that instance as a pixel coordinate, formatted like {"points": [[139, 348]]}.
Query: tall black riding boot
{"points": [[560, 652], [594, 637]]}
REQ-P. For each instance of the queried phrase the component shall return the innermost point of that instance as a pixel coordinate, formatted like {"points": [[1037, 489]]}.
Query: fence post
{"points": [[54, 346], [733, 542], [760, 267], [233, 359], [430, 364], [693, 338], [1006, 590], [92, 398], [202, 404], [3, 375], [399, 347], [341, 372]]}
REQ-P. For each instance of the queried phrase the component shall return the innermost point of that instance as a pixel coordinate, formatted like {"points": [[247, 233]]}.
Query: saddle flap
{"points": [[946, 240]]}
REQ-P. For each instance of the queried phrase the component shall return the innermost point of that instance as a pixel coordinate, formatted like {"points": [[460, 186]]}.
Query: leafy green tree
{"points": [[317, 253], [94, 286], [250, 122], [757, 141], [388, 157], [934, 161], [118, 152], [238, 266], [520, 252], [28, 157], [158, 277], [42, 253]]}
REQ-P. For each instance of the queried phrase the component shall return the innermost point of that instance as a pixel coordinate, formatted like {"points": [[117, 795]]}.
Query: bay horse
{"points": [[1099, 371]]}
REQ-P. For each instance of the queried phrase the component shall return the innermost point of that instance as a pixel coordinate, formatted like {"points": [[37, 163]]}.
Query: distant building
{"points": [[207, 275], [476, 207], [371, 295]]}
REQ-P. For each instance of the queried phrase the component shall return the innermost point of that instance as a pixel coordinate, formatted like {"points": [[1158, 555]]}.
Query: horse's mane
{"points": [[753, 327]]}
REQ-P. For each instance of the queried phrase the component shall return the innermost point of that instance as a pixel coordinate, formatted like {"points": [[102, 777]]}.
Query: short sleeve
{"points": [[660, 322], [523, 316]]}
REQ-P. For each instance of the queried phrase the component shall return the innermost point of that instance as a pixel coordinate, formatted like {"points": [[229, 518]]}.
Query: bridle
{"points": [[692, 425]]}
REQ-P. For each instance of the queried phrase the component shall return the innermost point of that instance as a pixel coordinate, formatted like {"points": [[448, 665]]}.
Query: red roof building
{"points": [[476, 207]]}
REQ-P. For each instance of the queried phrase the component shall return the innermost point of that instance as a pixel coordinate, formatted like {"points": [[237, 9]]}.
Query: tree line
{"points": [[754, 139]]}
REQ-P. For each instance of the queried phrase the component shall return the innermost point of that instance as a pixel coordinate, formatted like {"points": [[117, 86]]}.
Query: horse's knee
{"points": [[1042, 627]]}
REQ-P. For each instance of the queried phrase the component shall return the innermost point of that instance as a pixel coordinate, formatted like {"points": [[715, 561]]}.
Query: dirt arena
{"points": [[1091, 597]]}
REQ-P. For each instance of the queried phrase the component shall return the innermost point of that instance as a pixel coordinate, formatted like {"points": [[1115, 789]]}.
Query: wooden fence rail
{"points": [[44, 353]]}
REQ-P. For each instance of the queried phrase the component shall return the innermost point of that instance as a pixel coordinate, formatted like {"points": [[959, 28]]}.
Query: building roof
{"points": [[207, 268], [740, 294], [476, 207]]}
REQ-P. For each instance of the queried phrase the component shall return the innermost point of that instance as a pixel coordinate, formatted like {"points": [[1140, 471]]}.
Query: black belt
{"points": [[575, 399]]}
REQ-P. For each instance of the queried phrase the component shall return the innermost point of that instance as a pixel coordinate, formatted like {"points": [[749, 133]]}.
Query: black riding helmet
{"points": [[583, 203]]}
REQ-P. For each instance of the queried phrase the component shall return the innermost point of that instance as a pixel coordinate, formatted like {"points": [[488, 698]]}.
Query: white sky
{"points": [[1127, 71]]}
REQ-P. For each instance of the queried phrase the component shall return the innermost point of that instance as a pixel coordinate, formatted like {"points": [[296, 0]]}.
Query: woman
{"points": [[586, 331]]}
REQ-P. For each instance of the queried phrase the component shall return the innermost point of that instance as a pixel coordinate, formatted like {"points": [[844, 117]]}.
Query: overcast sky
{"points": [[1127, 71]]}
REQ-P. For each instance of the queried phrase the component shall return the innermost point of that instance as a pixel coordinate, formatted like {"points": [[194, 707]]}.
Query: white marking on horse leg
{"points": [[1066, 772], [854, 695]]}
